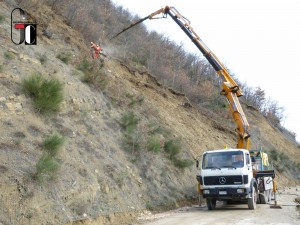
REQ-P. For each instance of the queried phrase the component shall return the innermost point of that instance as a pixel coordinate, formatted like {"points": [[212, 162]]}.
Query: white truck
{"points": [[234, 174]]}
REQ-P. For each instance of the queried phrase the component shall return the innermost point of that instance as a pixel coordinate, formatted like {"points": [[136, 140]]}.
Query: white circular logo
{"points": [[222, 180]]}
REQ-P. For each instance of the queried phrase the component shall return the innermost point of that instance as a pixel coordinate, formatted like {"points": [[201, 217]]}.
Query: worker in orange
{"points": [[97, 49]]}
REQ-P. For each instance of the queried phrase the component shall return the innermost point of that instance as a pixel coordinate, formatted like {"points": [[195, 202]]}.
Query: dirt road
{"points": [[237, 214]]}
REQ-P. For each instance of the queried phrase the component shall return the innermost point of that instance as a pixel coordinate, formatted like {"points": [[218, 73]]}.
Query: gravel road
{"points": [[237, 214]]}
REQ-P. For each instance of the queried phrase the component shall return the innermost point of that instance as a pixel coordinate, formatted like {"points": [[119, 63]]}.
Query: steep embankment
{"points": [[98, 176]]}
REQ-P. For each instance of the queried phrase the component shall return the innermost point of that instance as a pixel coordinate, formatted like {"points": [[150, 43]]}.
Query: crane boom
{"points": [[230, 88]]}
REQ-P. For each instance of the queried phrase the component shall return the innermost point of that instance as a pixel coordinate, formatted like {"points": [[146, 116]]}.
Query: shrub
{"points": [[136, 101], [64, 57], [52, 144], [281, 161], [275, 155], [182, 163], [1, 18], [172, 147], [153, 144], [132, 137], [32, 85], [46, 165], [129, 122], [9, 55], [85, 65], [1, 68], [92, 73], [50, 96], [43, 59], [132, 141], [47, 94], [149, 206], [95, 80]]}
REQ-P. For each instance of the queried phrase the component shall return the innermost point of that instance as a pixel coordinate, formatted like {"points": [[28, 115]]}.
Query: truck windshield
{"points": [[217, 160]]}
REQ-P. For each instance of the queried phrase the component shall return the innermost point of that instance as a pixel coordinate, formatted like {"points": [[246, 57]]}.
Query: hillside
{"points": [[106, 175]]}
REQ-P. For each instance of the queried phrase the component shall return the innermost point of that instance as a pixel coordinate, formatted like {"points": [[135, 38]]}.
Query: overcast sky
{"points": [[258, 40]]}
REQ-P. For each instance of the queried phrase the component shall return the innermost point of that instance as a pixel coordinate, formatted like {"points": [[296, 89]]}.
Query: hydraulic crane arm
{"points": [[230, 88]]}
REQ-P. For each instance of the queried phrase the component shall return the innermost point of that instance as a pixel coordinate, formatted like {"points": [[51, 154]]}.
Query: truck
{"points": [[238, 174]]}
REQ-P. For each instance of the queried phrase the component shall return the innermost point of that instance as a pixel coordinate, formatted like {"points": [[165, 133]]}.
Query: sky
{"points": [[258, 40]]}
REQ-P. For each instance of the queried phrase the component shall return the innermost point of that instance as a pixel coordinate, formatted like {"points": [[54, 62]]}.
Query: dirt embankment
{"points": [[99, 181]]}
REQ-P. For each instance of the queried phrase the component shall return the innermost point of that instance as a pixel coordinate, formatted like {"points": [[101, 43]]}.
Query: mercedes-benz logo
{"points": [[222, 180]]}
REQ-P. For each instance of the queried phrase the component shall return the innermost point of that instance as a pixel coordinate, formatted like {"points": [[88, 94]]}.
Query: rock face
{"points": [[28, 59]]}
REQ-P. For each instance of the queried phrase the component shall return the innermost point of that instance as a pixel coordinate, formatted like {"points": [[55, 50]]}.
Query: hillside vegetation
{"points": [[97, 142]]}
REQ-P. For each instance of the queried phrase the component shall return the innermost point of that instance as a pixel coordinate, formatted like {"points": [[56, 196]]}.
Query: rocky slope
{"points": [[99, 180]]}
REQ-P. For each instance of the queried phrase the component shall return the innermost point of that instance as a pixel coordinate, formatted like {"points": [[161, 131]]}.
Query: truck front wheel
{"points": [[211, 203], [252, 201]]}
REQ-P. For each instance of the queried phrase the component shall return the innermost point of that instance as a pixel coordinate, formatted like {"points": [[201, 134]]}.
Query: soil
{"points": [[99, 181]]}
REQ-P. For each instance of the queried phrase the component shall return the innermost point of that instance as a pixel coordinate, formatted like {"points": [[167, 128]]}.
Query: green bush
{"points": [[275, 155], [52, 144], [136, 101], [153, 144], [9, 55], [50, 96], [281, 161], [172, 147], [43, 59], [64, 57], [182, 163], [47, 94], [132, 141], [95, 80], [132, 137], [129, 122], [85, 65], [33, 84], [149, 206], [1, 68], [92, 73], [46, 165]]}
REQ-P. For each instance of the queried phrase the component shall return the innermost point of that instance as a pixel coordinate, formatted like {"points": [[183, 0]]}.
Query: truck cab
{"points": [[227, 174]]}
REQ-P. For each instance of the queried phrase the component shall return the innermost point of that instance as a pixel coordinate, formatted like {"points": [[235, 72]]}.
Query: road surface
{"points": [[237, 214]]}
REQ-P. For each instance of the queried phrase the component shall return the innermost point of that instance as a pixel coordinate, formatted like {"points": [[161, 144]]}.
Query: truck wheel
{"points": [[211, 203], [265, 197], [262, 198], [253, 199]]}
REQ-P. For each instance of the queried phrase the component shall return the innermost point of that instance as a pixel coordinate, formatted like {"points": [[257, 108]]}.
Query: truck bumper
{"points": [[226, 193]]}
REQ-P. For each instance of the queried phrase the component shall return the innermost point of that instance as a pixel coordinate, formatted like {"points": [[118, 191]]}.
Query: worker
{"points": [[96, 50]]}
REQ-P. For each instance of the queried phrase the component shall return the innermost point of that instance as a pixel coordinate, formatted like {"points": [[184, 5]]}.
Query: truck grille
{"points": [[223, 180]]}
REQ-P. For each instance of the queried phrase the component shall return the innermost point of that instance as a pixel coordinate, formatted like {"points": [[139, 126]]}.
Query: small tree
{"points": [[47, 95], [47, 165], [52, 144]]}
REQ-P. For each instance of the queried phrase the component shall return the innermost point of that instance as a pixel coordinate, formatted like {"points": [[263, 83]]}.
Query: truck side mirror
{"points": [[253, 159], [197, 163]]}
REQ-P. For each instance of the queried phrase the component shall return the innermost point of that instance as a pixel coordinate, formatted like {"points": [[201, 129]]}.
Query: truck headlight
{"points": [[240, 190], [206, 192]]}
